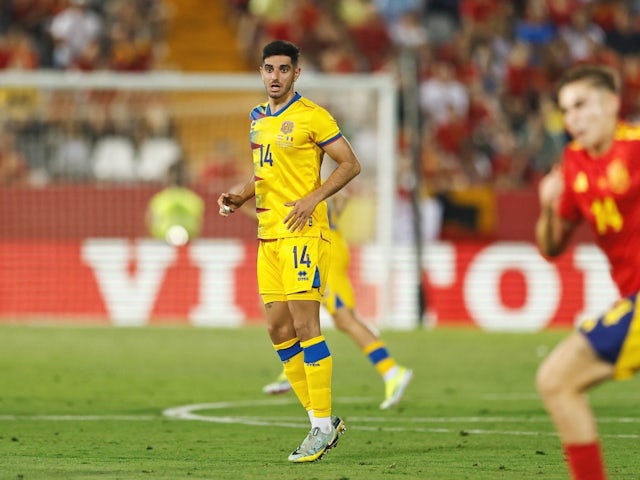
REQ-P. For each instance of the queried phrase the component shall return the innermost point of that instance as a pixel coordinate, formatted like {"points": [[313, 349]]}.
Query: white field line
{"points": [[388, 424], [79, 418], [516, 397]]}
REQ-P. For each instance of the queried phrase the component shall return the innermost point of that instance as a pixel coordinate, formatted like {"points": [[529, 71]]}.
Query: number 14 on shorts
{"points": [[302, 259]]}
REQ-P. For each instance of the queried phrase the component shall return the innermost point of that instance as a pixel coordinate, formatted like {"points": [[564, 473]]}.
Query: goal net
{"points": [[82, 154]]}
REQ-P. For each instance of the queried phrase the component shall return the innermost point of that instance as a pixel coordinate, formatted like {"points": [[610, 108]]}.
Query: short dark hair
{"points": [[598, 75], [281, 47]]}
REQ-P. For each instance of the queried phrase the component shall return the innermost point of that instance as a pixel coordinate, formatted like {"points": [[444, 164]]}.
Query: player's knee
{"points": [[340, 323], [273, 331], [548, 383], [305, 328], [344, 319], [279, 333]]}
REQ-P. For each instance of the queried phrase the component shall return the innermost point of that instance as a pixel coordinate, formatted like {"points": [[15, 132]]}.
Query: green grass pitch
{"points": [[90, 403]]}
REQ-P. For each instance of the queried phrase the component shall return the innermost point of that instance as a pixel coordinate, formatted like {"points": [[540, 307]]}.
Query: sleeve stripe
{"points": [[257, 113], [331, 140]]}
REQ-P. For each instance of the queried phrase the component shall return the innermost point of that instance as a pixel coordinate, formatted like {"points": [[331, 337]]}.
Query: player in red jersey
{"points": [[598, 181]]}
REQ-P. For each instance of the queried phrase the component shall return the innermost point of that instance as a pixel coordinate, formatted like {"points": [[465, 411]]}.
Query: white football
{"points": [[177, 236]]}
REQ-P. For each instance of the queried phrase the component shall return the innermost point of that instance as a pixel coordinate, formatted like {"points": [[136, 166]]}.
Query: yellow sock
{"points": [[290, 352], [318, 364], [379, 357]]}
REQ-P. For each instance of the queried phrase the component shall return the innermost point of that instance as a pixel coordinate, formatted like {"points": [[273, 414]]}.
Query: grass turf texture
{"points": [[87, 403]]}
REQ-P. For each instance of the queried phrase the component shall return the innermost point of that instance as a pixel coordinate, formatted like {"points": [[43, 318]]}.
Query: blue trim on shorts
{"points": [[288, 353], [316, 279], [315, 353]]}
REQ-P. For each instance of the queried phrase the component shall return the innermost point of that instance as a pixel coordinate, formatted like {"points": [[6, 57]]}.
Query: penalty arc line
{"points": [[188, 412]]}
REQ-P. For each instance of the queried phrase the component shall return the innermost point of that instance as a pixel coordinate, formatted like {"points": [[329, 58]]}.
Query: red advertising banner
{"points": [[493, 285], [509, 286]]}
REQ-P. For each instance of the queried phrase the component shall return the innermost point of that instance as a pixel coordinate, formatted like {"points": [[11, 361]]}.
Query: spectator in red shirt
{"points": [[17, 50]]}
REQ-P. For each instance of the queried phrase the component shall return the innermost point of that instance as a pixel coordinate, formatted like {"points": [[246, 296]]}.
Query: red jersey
{"points": [[605, 191]]}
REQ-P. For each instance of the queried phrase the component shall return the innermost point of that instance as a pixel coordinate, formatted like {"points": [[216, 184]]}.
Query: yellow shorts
{"points": [[339, 291], [293, 268]]}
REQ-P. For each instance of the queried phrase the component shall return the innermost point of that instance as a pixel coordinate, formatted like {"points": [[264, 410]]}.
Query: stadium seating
{"points": [[200, 37]]}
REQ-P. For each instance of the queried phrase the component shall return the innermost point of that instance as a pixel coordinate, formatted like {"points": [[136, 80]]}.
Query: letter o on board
{"points": [[481, 288]]}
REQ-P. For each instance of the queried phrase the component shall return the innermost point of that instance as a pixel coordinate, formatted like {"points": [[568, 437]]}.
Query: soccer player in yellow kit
{"points": [[289, 136], [339, 300], [176, 212]]}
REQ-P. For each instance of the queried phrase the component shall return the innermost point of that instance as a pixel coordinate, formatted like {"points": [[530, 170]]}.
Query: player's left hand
{"points": [[300, 214]]}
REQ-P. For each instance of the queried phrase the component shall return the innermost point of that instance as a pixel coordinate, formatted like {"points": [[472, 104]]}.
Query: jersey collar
{"points": [[295, 98]]}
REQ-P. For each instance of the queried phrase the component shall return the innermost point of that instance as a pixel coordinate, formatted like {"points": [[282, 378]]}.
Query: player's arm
{"points": [[249, 207], [229, 202], [348, 167], [552, 231]]}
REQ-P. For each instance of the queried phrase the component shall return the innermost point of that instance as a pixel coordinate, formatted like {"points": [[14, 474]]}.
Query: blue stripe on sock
{"points": [[287, 353], [378, 355], [317, 352]]}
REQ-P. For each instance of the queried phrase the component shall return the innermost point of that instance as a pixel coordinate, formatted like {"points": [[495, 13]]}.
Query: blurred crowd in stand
{"points": [[102, 141], [98, 138], [486, 74], [487, 68], [87, 35]]}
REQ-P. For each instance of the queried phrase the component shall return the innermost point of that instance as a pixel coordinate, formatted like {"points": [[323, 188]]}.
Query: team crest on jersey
{"points": [[581, 184], [285, 138], [618, 176], [287, 127]]}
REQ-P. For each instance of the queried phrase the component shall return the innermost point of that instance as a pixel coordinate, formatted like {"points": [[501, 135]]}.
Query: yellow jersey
{"points": [[287, 155]]}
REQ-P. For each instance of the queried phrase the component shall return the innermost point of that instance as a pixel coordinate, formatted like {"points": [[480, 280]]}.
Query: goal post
{"points": [[52, 116]]}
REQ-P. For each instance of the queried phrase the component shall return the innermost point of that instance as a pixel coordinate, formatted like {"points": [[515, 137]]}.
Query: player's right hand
{"points": [[224, 202], [229, 203]]}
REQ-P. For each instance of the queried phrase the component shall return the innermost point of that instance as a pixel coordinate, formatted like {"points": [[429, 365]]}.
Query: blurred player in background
{"points": [[289, 136], [175, 213], [599, 182], [339, 301]]}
